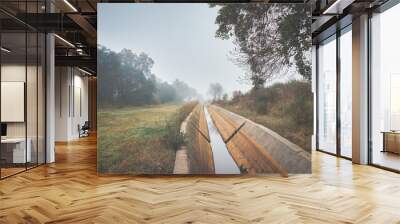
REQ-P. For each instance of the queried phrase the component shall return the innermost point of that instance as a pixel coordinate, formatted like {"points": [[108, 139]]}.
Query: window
{"points": [[329, 111], [327, 95], [346, 93], [385, 89]]}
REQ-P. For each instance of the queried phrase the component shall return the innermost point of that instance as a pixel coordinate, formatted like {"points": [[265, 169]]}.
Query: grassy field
{"points": [[133, 140]]}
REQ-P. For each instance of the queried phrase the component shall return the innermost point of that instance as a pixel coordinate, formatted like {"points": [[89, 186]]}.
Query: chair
{"points": [[84, 130]]}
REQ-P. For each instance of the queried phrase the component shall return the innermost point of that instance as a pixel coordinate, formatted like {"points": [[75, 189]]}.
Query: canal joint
{"points": [[234, 132], [201, 133]]}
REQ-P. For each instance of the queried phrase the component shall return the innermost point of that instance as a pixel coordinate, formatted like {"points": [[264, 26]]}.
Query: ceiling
{"points": [[75, 22]]}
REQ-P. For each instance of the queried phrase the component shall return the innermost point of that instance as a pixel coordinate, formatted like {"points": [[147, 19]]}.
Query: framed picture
{"points": [[204, 89]]}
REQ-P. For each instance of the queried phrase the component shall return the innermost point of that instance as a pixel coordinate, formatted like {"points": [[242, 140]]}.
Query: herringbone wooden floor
{"points": [[70, 191]]}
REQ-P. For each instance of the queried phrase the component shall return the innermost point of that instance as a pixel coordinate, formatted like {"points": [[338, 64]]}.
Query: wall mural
{"points": [[204, 88]]}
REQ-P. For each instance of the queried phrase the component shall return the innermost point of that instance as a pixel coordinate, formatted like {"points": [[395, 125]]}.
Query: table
{"points": [[391, 141]]}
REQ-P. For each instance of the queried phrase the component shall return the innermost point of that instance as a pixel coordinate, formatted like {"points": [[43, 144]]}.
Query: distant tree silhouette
{"points": [[215, 91], [125, 79]]}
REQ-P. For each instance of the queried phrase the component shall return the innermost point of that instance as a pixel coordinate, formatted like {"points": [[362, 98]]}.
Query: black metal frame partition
{"points": [[28, 29], [337, 35]]}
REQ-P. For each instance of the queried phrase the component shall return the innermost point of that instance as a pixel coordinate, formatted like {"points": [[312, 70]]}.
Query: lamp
{"points": [[84, 71], [337, 7], [70, 5], [5, 50], [64, 40]]}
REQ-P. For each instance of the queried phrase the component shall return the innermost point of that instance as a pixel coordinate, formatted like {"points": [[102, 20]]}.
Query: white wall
{"points": [[33, 126], [16, 73], [70, 83], [62, 81], [81, 84]]}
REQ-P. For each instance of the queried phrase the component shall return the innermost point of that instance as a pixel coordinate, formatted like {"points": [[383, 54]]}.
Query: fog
{"points": [[180, 38]]}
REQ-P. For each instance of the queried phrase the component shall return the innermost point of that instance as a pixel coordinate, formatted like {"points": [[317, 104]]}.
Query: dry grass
{"points": [[299, 135], [286, 108]]}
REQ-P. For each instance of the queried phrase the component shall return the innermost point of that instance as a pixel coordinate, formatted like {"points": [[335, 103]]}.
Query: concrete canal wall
{"points": [[287, 154]]}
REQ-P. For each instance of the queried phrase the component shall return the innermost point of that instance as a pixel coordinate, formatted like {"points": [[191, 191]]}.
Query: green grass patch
{"points": [[133, 140]]}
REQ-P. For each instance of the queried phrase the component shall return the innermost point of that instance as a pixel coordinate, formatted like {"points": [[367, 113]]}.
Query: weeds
{"points": [[174, 137]]}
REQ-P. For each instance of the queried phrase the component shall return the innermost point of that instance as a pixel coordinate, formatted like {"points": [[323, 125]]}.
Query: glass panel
{"points": [[346, 94], [41, 99], [327, 96], [385, 92], [23, 90], [31, 100], [32, 88], [13, 88]]}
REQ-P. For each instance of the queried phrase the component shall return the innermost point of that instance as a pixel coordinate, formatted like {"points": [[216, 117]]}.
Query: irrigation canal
{"points": [[223, 161]]}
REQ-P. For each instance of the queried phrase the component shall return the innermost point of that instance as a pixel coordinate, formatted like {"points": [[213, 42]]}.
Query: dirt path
{"points": [[181, 165]]}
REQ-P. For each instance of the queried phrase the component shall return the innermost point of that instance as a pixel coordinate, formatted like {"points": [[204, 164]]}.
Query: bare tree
{"points": [[215, 91]]}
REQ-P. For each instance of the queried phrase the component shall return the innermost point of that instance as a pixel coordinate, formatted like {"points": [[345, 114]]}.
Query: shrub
{"points": [[286, 108], [173, 136], [260, 102]]}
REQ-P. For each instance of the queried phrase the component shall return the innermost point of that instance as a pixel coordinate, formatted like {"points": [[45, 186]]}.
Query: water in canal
{"points": [[223, 162]]}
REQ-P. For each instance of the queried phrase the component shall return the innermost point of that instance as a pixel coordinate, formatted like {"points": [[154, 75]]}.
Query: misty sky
{"points": [[180, 38]]}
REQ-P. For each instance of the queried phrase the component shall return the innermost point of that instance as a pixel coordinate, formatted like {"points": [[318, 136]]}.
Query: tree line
{"points": [[125, 79]]}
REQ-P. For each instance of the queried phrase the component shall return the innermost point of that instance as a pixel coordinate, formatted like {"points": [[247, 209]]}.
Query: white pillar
{"points": [[360, 89], [50, 100], [62, 103]]}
